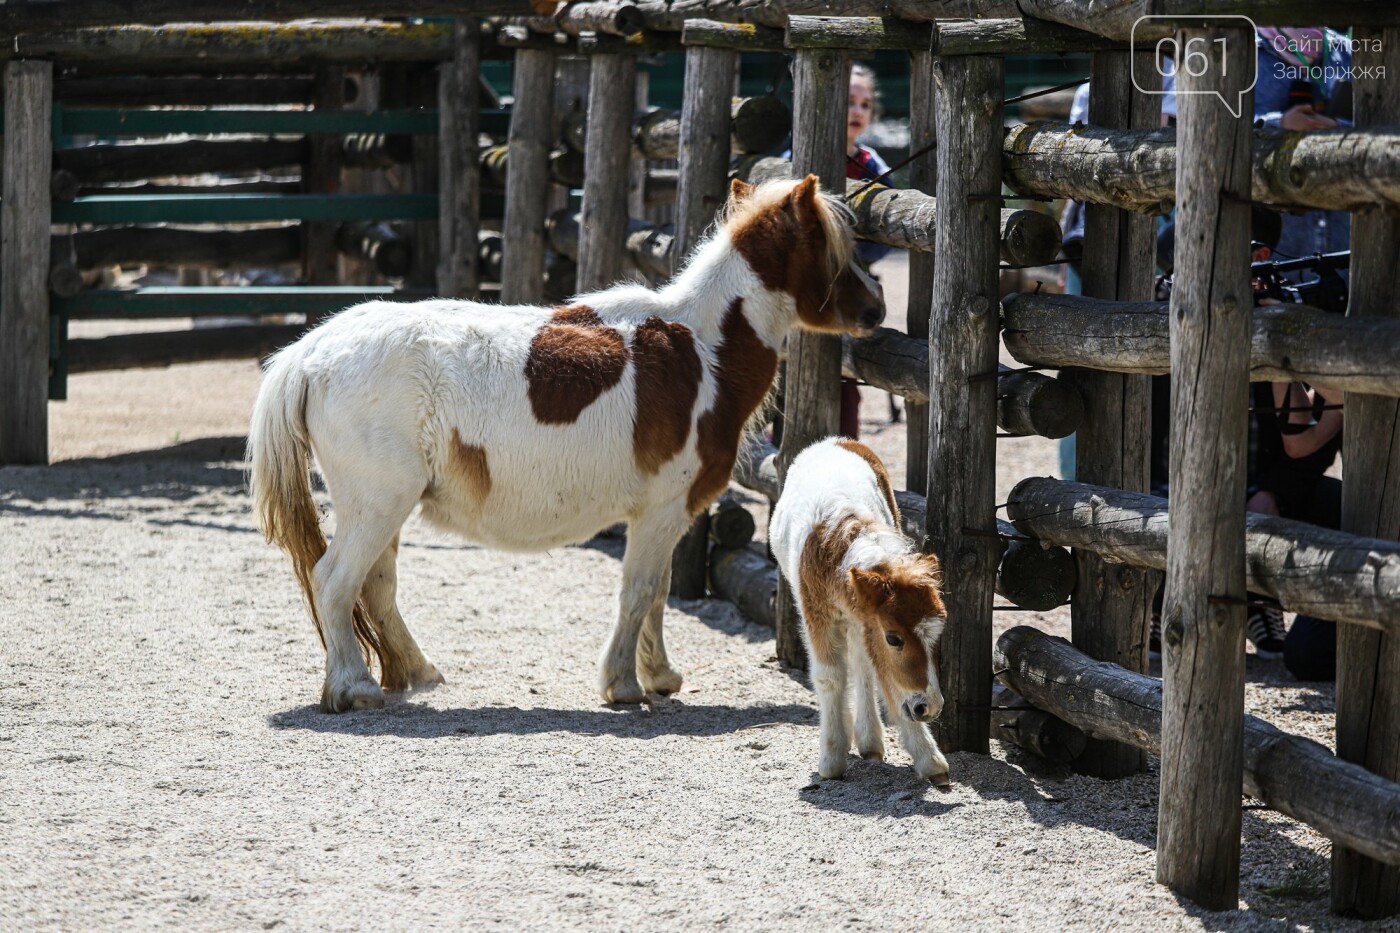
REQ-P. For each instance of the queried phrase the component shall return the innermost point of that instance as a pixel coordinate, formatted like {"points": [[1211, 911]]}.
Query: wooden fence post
{"points": [[527, 183], [24, 263], [961, 517], [1198, 839], [704, 169], [1112, 603], [459, 181], [321, 263], [607, 164], [812, 384], [1368, 662], [923, 176]]}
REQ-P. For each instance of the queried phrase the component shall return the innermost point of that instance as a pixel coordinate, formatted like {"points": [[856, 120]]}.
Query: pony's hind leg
{"points": [[405, 666], [653, 667], [645, 569]]}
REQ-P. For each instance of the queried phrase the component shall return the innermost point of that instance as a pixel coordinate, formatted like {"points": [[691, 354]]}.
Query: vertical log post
{"points": [[320, 257], [527, 183], [1368, 662], [606, 163], [962, 384], [24, 263], [923, 175], [704, 169], [459, 181], [1198, 838], [1112, 603], [812, 385], [421, 89]]}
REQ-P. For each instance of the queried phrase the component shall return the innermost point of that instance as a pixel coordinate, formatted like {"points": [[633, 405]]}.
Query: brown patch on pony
{"points": [[786, 244], [468, 461], [822, 586], [895, 598], [573, 359], [882, 475], [743, 373], [668, 382]]}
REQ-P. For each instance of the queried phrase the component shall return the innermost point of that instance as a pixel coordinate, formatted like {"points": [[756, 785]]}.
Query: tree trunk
{"points": [[1296, 776]]}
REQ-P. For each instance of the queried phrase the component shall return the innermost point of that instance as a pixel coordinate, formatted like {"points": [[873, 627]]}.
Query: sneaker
{"points": [[1154, 636], [1265, 629]]}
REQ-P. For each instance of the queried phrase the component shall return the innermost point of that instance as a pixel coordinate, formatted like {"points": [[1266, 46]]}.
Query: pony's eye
{"points": [[894, 640]]}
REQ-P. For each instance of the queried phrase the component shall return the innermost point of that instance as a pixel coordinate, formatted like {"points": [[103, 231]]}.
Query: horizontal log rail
{"points": [[904, 218], [1343, 169], [648, 245], [105, 163], [160, 349], [757, 124], [1329, 574], [1296, 776], [1289, 342], [32, 17], [183, 246]]}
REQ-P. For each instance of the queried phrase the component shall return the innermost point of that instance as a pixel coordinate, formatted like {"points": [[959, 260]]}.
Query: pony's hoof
{"points": [[873, 754], [624, 691], [832, 769], [664, 682], [361, 694], [938, 776], [426, 678]]}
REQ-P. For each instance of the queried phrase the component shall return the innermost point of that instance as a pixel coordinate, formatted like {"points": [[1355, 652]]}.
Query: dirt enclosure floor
{"points": [[163, 762]]}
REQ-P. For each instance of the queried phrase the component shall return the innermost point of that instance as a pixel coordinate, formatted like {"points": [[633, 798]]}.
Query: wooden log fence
{"points": [[756, 124]]}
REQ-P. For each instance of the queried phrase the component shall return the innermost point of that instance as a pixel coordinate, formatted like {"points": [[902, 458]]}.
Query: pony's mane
{"points": [[836, 218]]}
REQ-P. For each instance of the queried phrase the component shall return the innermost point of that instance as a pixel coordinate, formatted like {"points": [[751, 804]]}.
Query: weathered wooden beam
{"points": [[147, 189], [459, 175], [611, 98], [489, 252], [675, 14], [731, 524], [387, 250], [1036, 576], [648, 41], [905, 218], [1311, 570], [923, 177], [1015, 36], [756, 467], [1296, 776], [757, 124], [159, 349], [25, 211], [527, 188], [649, 246], [1118, 19], [376, 150], [182, 246], [613, 17], [738, 37], [962, 408], [1342, 169], [1289, 342], [182, 91], [858, 33], [515, 38], [1016, 721], [38, 15], [102, 163], [1368, 664], [1034, 404], [746, 579]]}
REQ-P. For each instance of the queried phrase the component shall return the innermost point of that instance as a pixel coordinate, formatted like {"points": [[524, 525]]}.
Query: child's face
{"points": [[860, 108]]}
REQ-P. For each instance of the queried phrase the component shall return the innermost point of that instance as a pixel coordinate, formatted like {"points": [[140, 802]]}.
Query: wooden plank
{"points": [[181, 301], [1016, 36], [739, 37], [1198, 837], [527, 184], [812, 380], [1368, 663], [37, 15], [1111, 607], [242, 208], [923, 177], [459, 178], [611, 92], [321, 175], [962, 407], [858, 33], [704, 174], [24, 263], [168, 122]]}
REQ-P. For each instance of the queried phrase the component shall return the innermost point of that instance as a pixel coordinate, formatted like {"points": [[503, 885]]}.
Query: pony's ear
{"points": [[871, 587], [739, 190], [804, 196]]}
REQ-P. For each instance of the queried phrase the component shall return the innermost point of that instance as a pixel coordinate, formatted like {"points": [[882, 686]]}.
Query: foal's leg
{"points": [[929, 762], [646, 568], [870, 731], [653, 667], [830, 662], [405, 666]]}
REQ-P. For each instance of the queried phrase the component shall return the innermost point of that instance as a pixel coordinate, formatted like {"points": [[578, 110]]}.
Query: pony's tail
{"points": [[279, 478]]}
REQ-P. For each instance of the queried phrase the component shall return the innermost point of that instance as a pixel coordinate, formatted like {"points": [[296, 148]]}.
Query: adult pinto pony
{"points": [[526, 428]]}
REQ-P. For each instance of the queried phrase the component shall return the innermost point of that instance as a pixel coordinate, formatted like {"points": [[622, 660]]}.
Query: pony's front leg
{"points": [[653, 667], [929, 762], [829, 682], [870, 731], [646, 568]]}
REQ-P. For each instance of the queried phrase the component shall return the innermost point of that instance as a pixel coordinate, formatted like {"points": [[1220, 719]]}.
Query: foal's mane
{"points": [[835, 216]]}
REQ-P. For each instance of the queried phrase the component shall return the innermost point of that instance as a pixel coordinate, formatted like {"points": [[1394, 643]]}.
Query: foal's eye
{"points": [[894, 640]]}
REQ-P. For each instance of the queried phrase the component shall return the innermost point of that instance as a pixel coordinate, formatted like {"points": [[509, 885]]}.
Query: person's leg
{"points": [[850, 409], [1310, 650]]}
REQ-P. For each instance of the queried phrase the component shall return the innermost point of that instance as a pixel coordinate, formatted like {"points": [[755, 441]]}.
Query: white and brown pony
{"points": [[526, 428], [871, 609]]}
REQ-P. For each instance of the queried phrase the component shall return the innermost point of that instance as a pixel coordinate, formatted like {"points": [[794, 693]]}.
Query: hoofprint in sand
{"points": [[163, 763]]}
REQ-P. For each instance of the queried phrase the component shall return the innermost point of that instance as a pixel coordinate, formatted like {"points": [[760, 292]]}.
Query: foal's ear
{"points": [[804, 196], [739, 190], [871, 586]]}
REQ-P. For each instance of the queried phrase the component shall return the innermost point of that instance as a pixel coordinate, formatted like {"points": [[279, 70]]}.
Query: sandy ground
{"points": [[163, 762]]}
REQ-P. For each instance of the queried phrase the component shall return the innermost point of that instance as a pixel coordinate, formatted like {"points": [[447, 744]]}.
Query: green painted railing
{"points": [[242, 208]]}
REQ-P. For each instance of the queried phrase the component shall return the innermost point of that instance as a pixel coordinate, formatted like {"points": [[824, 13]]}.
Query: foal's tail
{"points": [[279, 476]]}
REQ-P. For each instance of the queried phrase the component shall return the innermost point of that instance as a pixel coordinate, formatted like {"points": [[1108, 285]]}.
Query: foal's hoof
{"points": [[426, 677], [664, 682], [360, 694], [872, 754], [624, 691]]}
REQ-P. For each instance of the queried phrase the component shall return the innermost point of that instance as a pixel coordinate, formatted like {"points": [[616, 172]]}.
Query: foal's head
{"points": [[798, 240], [901, 612]]}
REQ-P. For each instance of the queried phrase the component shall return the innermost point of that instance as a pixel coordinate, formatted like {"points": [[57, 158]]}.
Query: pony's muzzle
{"points": [[920, 708], [871, 312]]}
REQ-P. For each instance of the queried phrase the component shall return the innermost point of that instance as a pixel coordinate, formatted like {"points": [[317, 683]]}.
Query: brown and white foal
{"points": [[870, 604], [527, 428]]}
